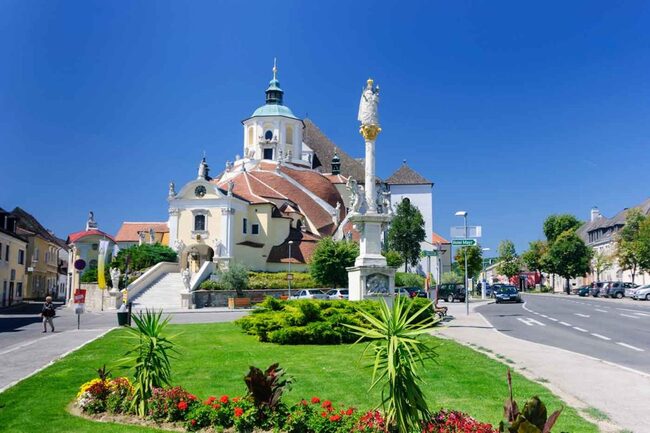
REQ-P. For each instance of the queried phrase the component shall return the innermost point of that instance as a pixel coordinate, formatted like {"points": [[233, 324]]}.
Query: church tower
{"points": [[273, 132]]}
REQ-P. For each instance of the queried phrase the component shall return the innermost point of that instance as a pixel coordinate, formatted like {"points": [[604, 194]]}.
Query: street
{"points": [[612, 330]]}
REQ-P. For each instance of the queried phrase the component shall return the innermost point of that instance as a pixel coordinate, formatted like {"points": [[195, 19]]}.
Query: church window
{"points": [[268, 154], [199, 222], [245, 226], [268, 135], [255, 229], [289, 135]]}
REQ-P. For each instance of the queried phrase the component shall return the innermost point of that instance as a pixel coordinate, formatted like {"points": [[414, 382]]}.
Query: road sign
{"points": [[79, 264], [463, 242], [427, 253], [472, 232], [80, 296]]}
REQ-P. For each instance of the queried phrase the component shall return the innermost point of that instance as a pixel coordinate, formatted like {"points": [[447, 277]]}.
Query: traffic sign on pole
{"points": [[463, 242], [429, 253]]}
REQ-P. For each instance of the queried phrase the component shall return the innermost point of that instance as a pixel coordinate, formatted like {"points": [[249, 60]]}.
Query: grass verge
{"points": [[216, 356]]}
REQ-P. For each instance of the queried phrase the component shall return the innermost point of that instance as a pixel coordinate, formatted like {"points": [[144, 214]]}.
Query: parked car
{"points": [[584, 291], [631, 290], [492, 290], [642, 292], [416, 292], [309, 294], [616, 289], [401, 291], [451, 292], [335, 294], [507, 294], [595, 288]]}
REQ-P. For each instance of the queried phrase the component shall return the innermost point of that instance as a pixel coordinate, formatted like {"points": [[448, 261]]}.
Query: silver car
{"points": [[336, 294], [309, 294], [642, 292]]}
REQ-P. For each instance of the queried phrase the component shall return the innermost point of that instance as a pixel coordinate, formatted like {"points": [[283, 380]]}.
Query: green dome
{"points": [[274, 110]]}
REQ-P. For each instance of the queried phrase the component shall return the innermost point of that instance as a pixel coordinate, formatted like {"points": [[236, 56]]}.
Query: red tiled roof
{"points": [[129, 230], [437, 239], [75, 237], [301, 250], [336, 179]]}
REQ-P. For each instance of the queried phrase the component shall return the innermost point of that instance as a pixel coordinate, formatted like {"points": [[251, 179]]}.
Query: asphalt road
{"points": [[613, 330]]}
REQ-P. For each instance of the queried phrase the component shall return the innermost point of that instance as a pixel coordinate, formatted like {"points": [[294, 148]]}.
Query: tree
{"points": [[555, 225], [533, 258], [393, 258], [474, 260], [629, 247], [601, 262], [451, 278], [234, 278], [644, 244], [329, 260], [142, 257], [508, 261], [406, 232], [569, 256]]}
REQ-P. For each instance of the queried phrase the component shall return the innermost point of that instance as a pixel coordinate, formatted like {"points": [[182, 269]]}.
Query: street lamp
{"points": [[463, 214], [289, 276], [483, 283]]}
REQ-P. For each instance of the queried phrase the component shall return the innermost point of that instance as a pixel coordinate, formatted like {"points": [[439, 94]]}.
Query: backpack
{"points": [[48, 310]]}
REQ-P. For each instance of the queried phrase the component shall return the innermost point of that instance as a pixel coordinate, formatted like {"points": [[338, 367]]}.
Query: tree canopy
{"points": [[631, 246], [329, 260], [569, 256], [555, 225], [508, 261], [406, 232], [601, 262], [533, 258], [474, 260], [143, 256]]}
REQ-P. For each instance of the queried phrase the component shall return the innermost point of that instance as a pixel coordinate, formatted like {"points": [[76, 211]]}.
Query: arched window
{"points": [[199, 222], [268, 135], [289, 135], [250, 135]]}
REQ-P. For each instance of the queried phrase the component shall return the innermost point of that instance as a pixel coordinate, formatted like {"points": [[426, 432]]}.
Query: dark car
{"points": [[596, 287], [584, 291], [416, 292], [451, 292], [507, 294], [616, 289]]}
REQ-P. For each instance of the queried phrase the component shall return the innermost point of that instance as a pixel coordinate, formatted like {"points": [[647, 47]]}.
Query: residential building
{"points": [[135, 233], [442, 262], [13, 250]]}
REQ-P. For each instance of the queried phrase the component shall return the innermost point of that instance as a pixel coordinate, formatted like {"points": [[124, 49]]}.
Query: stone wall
{"points": [[219, 298], [94, 298]]}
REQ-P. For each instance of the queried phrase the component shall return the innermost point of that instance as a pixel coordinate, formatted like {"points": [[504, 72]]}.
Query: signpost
{"points": [[427, 253], [79, 295], [470, 232], [463, 242]]}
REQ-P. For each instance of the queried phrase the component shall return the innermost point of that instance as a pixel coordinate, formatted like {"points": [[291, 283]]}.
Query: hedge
{"points": [[404, 279], [268, 280]]}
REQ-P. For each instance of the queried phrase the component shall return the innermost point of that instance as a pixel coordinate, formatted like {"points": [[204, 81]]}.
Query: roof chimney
{"points": [[595, 214]]}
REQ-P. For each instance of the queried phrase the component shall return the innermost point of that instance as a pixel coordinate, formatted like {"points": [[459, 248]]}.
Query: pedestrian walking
{"points": [[48, 313]]}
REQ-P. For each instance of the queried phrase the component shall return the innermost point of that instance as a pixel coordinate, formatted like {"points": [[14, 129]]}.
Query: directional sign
{"points": [[426, 253], [472, 232], [463, 242], [80, 296]]}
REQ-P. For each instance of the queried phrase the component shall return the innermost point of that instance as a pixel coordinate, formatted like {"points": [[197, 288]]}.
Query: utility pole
{"points": [[464, 215]]}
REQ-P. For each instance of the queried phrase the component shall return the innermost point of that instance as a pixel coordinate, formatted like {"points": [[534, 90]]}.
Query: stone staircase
{"points": [[164, 293]]}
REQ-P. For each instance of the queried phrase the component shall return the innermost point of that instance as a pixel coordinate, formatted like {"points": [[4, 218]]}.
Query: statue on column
{"points": [[368, 105], [152, 236], [115, 278], [355, 196], [185, 275], [140, 238], [172, 190], [91, 223]]}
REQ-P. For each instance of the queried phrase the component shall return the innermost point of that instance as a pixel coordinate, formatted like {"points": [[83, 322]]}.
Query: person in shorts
{"points": [[48, 313]]}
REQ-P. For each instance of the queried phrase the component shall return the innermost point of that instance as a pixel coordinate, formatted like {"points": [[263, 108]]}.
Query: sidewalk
{"points": [[579, 380]]}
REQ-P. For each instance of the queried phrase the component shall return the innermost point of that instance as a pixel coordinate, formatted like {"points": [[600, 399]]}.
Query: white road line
{"points": [[630, 346], [582, 315], [602, 311], [544, 316], [628, 309], [530, 322], [628, 315], [602, 337], [580, 329], [553, 319], [565, 324], [642, 314]]}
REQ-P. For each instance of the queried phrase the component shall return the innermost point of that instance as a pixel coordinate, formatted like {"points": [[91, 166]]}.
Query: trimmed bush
{"points": [[311, 321], [404, 279], [267, 281]]}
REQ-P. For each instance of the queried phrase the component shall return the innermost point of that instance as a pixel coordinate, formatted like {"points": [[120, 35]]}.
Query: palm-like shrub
{"points": [[398, 349], [149, 358]]}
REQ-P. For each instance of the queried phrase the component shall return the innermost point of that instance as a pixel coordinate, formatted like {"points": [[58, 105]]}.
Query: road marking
{"points": [[582, 315], [565, 324], [642, 314], [530, 321], [602, 337], [580, 329], [628, 315], [630, 346], [553, 319], [544, 316], [628, 309], [602, 311]]}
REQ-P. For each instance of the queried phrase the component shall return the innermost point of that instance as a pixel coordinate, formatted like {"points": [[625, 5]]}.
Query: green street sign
{"points": [[426, 253], [463, 242]]}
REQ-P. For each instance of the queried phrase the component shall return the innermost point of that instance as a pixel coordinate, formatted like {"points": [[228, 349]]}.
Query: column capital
{"points": [[174, 211]]}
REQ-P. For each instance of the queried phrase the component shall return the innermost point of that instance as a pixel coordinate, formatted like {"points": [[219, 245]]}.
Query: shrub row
{"points": [[312, 321], [405, 279], [267, 280]]}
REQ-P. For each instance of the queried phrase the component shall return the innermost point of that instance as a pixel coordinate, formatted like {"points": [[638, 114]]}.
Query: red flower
{"points": [[182, 405], [193, 422], [236, 399], [210, 400], [224, 399], [238, 412], [315, 400], [216, 406], [191, 397], [327, 404], [303, 402], [349, 411], [335, 418], [324, 414]]}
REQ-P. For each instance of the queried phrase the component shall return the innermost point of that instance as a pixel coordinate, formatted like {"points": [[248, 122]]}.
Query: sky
{"points": [[515, 110]]}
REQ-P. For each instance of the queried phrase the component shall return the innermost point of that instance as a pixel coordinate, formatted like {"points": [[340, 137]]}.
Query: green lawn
{"points": [[216, 356]]}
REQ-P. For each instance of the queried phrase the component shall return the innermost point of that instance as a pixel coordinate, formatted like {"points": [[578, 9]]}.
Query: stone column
{"points": [[371, 200], [174, 215]]}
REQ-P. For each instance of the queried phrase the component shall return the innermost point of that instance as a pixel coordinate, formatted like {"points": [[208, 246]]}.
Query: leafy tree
{"points": [[533, 258], [143, 256], [601, 262], [329, 260], [555, 225], [474, 260], [393, 258], [406, 232], [644, 244], [451, 278], [509, 264], [569, 256], [234, 278], [89, 275], [629, 246]]}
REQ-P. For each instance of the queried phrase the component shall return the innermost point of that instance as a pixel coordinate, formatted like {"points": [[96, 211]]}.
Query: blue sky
{"points": [[515, 110]]}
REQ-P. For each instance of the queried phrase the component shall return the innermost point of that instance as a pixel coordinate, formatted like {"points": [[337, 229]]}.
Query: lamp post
{"points": [[289, 276], [483, 282], [464, 215]]}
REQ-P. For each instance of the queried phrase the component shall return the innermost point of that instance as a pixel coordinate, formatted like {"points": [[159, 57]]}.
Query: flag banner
{"points": [[101, 262]]}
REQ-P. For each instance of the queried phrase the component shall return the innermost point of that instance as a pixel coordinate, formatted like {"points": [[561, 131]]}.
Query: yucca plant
{"points": [[150, 357], [398, 350]]}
